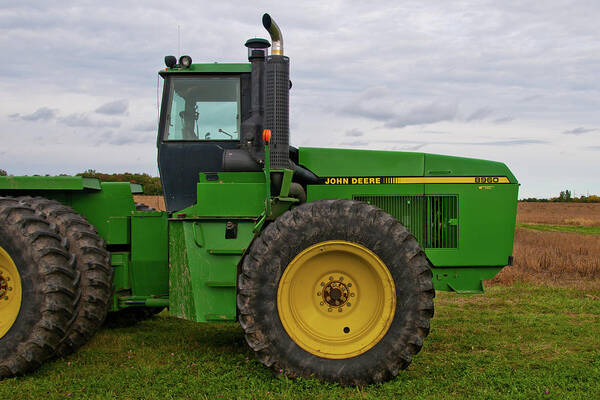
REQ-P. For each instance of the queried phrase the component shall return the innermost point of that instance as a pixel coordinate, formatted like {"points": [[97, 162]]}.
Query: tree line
{"points": [[566, 196]]}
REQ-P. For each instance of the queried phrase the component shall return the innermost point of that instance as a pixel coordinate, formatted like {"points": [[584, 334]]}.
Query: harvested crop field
{"points": [[578, 214], [555, 258]]}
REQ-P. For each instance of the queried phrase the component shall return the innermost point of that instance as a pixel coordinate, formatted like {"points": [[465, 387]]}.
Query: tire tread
{"points": [[271, 252], [37, 244]]}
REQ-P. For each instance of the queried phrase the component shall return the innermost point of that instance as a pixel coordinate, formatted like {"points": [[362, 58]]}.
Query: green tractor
{"points": [[328, 258]]}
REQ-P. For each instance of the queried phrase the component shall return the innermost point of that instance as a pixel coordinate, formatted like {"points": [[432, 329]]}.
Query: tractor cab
{"points": [[213, 115], [203, 107]]}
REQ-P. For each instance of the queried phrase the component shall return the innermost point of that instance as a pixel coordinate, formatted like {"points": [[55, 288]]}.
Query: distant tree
{"points": [[3, 172], [565, 196]]}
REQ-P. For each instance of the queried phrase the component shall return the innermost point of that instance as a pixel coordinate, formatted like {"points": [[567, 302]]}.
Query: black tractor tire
{"points": [[93, 265], [132, 315], [49, 283], [335, 220]]}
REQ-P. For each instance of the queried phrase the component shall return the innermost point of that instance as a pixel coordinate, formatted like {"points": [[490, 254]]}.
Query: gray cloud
{"points": [[41, 114], [435, 132], [383, 105], [503, 120], [479, 114], [356, 143], [578, 131], [83, 120], [516, 142], [423, 114], [118, 107], [354, 133], [531, 98], [119, 139], [415, 147], [146, 127], [512, 142]]}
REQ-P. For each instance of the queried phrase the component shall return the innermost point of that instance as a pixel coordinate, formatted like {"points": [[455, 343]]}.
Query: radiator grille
{"points": [[433, 220]]}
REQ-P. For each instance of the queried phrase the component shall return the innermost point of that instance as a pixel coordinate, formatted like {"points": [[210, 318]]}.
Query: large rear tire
{"points": [[338, 290], [93, 264], [39, 286]]}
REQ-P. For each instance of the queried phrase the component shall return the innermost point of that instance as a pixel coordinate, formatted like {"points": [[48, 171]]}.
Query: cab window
{"points": [[203, 108]]}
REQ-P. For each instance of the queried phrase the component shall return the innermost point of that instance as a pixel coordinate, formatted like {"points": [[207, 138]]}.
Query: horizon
{"points": [[505, 82]]}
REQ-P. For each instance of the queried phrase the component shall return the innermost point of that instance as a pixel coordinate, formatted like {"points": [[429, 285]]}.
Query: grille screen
{"points": [[277, 88], [433, 220]]}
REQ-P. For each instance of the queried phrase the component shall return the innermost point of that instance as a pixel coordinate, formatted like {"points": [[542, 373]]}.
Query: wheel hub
{"points": [[4, 288], [336, 293], [320, 303], [10, 292]]}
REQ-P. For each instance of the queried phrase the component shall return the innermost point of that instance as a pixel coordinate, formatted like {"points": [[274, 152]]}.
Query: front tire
{"points": [[338, 290]]}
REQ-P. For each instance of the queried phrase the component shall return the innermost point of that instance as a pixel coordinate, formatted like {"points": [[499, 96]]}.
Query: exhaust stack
{"points": [[277, 95], [275, 33], [270, 85]]}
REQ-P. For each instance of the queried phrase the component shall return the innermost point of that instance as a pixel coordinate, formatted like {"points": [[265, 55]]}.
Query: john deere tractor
{"points": [[328, 258]]}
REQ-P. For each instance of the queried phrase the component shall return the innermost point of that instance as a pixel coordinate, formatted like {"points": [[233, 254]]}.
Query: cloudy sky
{"points": [[510, 81]]}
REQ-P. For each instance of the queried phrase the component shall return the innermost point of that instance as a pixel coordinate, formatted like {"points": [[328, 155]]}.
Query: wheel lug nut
{"points": [[318, 293], [331, 278], [341, 278], [322, 283], [321, 303], [330, 309], [339, 309], [348, 304], [351, 294], [349, 285]]}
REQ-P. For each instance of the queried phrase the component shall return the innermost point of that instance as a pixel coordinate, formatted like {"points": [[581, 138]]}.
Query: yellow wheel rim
{"points": [[336, 299], [10, 292]]}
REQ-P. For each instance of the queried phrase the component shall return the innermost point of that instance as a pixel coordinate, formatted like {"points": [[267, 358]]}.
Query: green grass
{"points": [[588, 230], [512, 342]]}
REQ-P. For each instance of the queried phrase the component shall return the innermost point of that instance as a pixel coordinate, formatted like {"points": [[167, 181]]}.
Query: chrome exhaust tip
{"points": [[275, 33]]}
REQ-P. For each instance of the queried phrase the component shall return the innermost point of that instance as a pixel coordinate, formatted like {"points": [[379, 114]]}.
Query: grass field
{"points": [[533, 334], [587, 230], [513, 342]]}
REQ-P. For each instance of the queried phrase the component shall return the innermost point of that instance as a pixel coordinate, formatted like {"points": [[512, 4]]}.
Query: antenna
{"points": [[178, 41]]}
